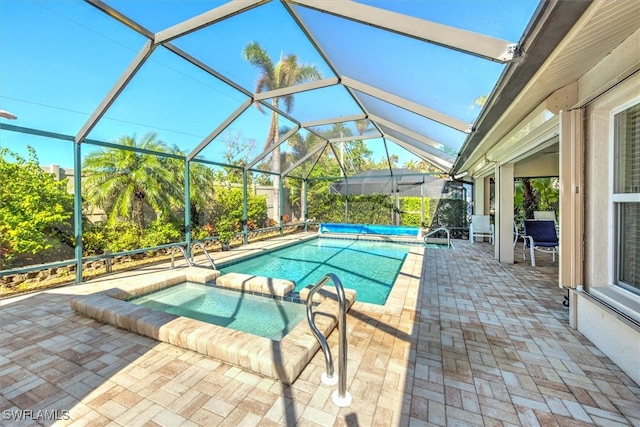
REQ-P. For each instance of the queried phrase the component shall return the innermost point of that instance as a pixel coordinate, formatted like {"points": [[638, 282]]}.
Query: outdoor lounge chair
{"points": [[540, 235], [481, 227], [548, 216], [517, 234], [544, 215]]}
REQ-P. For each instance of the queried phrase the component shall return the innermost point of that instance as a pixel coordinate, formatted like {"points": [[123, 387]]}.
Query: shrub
{"points": [[94, 240], [159, 233], [123, 236]]}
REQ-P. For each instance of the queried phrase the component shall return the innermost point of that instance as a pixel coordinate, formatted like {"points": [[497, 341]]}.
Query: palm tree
{"points": [[364, 126], [548, 193], [285, 73], [122, 181]]}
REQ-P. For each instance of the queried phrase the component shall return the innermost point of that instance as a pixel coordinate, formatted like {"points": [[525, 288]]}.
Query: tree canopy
{"points": [[32, 205], [122, 181]]}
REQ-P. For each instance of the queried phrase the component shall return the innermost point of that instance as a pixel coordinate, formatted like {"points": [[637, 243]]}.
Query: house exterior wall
{"points": [[606, 314], [599, 227]]}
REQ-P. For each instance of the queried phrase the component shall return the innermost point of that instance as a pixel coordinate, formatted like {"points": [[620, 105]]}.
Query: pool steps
{"points": [[282, 360]]}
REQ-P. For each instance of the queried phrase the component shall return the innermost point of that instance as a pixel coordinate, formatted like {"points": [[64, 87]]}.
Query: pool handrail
{"points": [[206, 254], [437, 230], [341, 397], [173, 251]]}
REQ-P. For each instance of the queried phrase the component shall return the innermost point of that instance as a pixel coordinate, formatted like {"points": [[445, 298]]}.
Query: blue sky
{"points": [[60, 58]]}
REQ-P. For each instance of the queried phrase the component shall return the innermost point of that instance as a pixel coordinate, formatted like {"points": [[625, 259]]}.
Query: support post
{"points": [[479, 187], [77, 207], [245, 209], [187, 206], [346, 201], [504, 213], [303, 204], [422, 224], [280, 205]]}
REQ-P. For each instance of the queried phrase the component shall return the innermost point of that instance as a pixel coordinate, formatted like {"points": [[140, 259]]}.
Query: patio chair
{"points": [[517, 233], [548, 216], [540, 235], [544, 215], [481, 227]]}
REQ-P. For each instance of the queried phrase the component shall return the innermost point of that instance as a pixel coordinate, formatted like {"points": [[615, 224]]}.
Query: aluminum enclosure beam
{"points": [[354, 138], [116, 90], [304, 87], [341, 119], [312, 39], [207, 18], [272, 147], [436, 161], [305, 158], [443, 35], [418, 137], [217, 131], [405, 104], [118, 16]]}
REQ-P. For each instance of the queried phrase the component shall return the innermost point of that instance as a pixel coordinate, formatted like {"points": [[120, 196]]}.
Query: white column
{"points": [[504, 213], [479, 191]]}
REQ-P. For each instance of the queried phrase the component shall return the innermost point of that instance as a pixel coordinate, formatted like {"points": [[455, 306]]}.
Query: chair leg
{"points": [[531, 251], [533, 257]]}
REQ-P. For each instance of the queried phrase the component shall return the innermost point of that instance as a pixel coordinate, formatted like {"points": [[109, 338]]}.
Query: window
{"points": [[626, 197]]}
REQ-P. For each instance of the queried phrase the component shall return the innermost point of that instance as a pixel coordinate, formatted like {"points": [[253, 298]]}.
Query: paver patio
{"points": [[473, 342]]}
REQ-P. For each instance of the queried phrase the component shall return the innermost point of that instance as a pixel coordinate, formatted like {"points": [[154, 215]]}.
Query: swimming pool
{"points": [[369, 267], [387, 230], [227, 308]]}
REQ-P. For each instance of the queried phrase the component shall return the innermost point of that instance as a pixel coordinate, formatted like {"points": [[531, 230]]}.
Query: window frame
{"points": [[616, 200]]}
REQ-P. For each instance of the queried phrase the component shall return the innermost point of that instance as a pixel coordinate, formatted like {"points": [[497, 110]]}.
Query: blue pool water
{"points": [[265, 317], [368, 267], [388, 230]]}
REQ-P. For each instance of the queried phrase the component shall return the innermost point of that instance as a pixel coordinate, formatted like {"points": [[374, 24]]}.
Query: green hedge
{"points": [[410, 208]]}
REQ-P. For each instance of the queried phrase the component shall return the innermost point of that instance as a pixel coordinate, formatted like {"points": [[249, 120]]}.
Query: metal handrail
{"points": [[341, 397], [173, 251], [206, 254], [437, 230]]}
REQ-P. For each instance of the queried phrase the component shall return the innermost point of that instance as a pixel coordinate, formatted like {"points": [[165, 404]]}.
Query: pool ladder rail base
{"points": [[441, 241], [190, 261], [340, 397], [206, 254]]}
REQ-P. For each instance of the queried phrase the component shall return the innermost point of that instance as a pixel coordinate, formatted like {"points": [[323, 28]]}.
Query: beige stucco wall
{"points": [[537, 166], [598, 220], [613, 334]]}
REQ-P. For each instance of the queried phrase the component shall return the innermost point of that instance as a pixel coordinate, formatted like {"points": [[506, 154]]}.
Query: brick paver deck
{"points": [[473, 343]]}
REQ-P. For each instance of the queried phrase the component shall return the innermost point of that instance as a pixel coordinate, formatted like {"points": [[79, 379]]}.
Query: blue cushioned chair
{"points": [[540, 235]]}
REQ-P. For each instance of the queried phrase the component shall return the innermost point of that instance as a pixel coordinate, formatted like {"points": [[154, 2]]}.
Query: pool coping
{"points": [[282, 360]]}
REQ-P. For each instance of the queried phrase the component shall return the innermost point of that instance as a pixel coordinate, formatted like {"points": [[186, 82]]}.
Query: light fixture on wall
{"points": [[460, 175]]}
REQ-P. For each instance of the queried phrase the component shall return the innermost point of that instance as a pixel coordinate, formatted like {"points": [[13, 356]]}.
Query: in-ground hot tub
{"points": [[282, 360], [385, 230]]}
